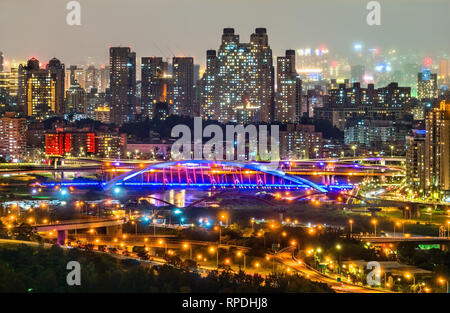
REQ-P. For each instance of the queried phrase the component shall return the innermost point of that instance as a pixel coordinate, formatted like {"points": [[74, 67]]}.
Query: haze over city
{"points": [[190, 27]]}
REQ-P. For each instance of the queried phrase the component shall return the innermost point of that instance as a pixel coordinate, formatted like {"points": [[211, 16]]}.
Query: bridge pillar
{"points": [[62, 235], [114, 230]]}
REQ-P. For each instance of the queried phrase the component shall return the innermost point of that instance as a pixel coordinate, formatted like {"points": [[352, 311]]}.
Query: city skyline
{"points": [[212, 146]]}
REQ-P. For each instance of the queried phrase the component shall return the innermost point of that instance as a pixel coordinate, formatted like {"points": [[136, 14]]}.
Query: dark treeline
{"points": [[28, 269]]}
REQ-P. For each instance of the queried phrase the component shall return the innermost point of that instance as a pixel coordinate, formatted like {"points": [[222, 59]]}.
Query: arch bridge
{"points": [[216, 174]]}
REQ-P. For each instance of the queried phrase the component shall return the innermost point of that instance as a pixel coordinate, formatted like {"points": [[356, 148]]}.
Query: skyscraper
{"points": [[415, 161], [238, 86], [13, 135], [122, 83], [289, 90], [76, 100], [9, 87], [427, 85], [37, 90], [183, 86], [208, 87], [437, 151], [154, 82], [57, 72], [444, 72]]}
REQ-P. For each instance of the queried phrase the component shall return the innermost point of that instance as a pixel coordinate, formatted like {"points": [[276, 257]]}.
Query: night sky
{"points": [[190, 27]]}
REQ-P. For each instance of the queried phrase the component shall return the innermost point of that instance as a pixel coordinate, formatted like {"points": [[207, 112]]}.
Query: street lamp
{"points": [[338, 248], [294, 243], [392, 151], [188, 246], [239, 254], [354, 150], [409, 276], [350, 221], [224, 217], [374, 222], [430, 212], [268, 257], [398, 224], [443, 281], [219, 229], [211, 250], [162, 242]]}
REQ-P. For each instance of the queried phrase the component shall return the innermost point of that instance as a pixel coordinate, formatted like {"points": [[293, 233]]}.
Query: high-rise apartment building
{"points": [[209, 87], [122, 83], [300, 142], [437, 152], [76, 100], [13, 141], [427, 85], [9, 87], [238, 82], [183, 86], [415, 162], [289, 90], [37, 91], [155, 83], [57, 72]]}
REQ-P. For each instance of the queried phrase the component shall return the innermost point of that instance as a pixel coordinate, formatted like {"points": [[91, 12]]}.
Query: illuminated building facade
{"points": [[110, 145], [102, 113], [155, 83], [289, 90], [444, 72], [123, 83], [9, 87], [161, 111], [183, 86], [37, 90], [57, 72], [76, 99], [437, 152], [13, 141], [313, 64], [238, 83], [427, 85], [209, 87], [377, 133], [300, 142], [415, 162], [73, 143]]}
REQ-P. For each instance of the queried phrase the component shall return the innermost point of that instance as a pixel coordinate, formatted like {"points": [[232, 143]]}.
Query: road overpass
{"points": [[112, 226], [413, 239]]}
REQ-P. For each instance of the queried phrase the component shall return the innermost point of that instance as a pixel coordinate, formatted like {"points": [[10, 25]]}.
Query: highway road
{"points": [[286, 258]]}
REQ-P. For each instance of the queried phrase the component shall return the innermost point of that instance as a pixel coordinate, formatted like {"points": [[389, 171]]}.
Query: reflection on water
{"points": [[178, 197]]}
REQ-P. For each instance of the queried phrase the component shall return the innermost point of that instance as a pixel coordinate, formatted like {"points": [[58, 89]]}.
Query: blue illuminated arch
{"points": [[259, 167]]}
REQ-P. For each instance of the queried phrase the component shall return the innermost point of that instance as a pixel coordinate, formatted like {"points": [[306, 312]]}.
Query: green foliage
{"points": [[25, 269]]}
